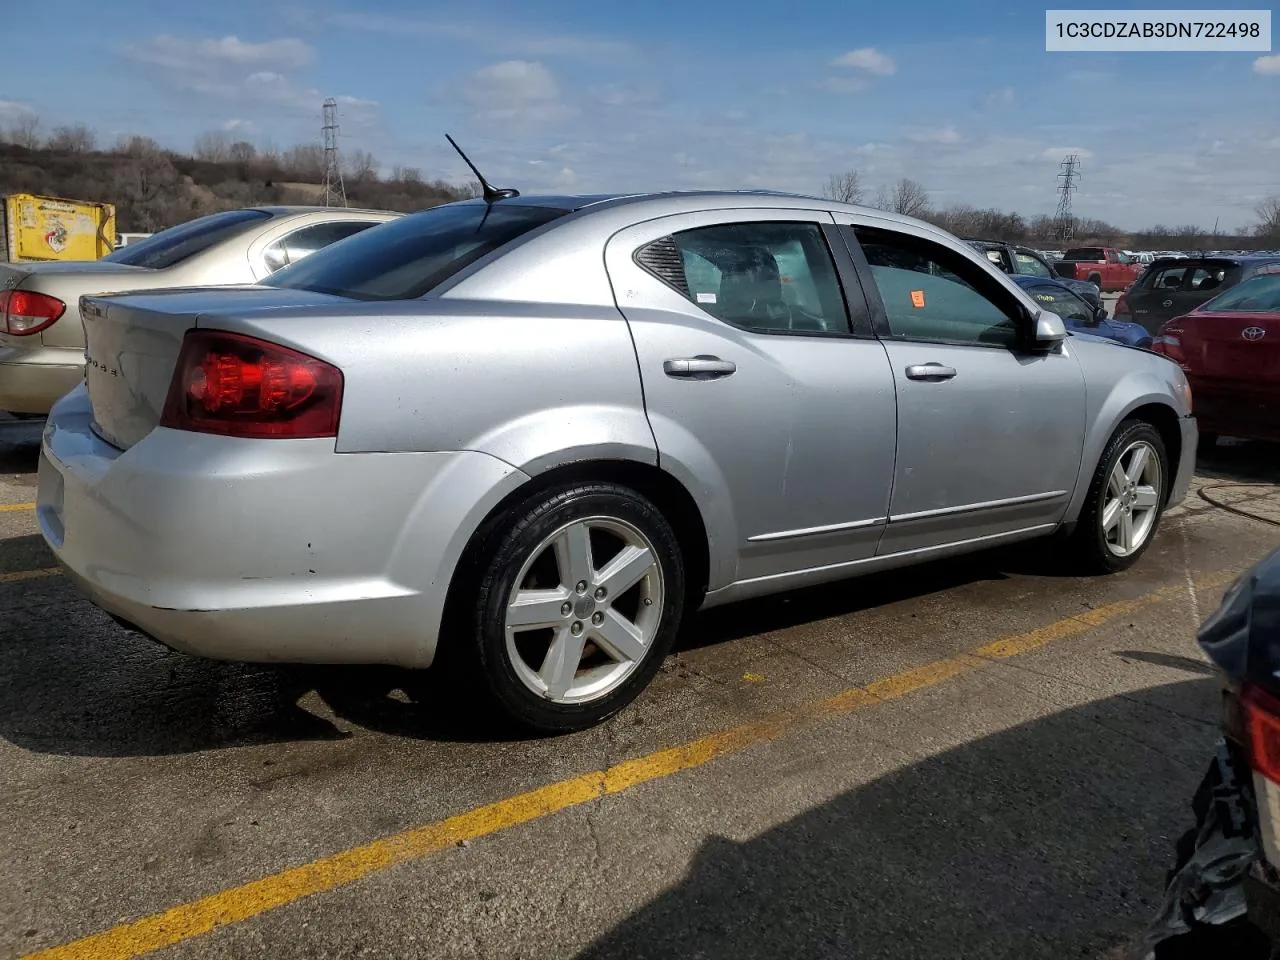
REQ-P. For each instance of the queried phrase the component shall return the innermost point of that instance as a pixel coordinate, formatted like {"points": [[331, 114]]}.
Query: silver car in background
{"points": [[41, 339], [525, 438]]}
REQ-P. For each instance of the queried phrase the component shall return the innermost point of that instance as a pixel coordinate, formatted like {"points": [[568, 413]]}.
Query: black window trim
{"points": [[857, 319], [1024, 344]]}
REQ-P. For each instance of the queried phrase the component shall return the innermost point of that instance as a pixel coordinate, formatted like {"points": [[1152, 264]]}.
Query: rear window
{"points": [[408, 257], [1259, 295], [172, 246], [1085, 253]]}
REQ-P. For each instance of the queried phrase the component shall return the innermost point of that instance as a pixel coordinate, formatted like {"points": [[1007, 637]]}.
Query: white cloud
{"points": [[13, 109], [1268, 66], [869, 59], [941, 135], [524, 91], [512, 39], [211, 55], [1057, 154]]}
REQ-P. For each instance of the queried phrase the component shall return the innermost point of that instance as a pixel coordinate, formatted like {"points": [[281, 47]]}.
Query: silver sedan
{"points": [[41, 337], [526, 438]]}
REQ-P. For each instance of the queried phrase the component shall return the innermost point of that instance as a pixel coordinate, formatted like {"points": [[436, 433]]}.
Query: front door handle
{"points": [[699, 368], [931, 372]]}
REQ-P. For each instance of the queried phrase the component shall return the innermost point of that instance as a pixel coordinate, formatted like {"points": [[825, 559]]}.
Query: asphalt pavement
{"points": [[982, 758]]}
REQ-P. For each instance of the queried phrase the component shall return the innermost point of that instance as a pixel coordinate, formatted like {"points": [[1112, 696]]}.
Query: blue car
{"points": [[1079, 315]]}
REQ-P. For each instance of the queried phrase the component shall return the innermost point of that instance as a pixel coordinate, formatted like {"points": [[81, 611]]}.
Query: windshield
{"points": [[408, 257], [176, 244], [1258, 295]]}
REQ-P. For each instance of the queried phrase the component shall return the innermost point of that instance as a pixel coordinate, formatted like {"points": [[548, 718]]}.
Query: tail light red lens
{"points": [[1169, 339], [233, 385], [1122, 311], [25, 312], [1262, 731]]}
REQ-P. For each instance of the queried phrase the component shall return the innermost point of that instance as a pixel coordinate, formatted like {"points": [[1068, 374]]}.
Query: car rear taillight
{"points": [[24, 312], [1122, 311], [1262, 730], [1168, 340], [239, 386]]}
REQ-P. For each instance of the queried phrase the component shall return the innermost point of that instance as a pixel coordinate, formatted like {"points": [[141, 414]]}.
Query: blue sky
{"points": [[581, 96]]}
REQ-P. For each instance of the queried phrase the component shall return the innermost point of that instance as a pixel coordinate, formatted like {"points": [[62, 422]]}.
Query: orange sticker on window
{"points": [[917, 299]]}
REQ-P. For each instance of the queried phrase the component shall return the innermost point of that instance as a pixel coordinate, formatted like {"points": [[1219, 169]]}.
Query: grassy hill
{"points": [[154, 188]]}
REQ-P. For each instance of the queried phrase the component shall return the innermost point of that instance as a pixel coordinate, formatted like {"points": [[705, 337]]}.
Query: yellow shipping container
{"points": [[51, 228]]}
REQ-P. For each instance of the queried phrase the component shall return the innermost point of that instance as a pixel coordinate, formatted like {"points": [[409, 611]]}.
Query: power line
{"points": [[1069, 173], [335, 192]]}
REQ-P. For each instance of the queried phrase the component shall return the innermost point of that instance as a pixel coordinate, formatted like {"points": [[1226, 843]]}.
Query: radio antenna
{"points": [[490, 193]]}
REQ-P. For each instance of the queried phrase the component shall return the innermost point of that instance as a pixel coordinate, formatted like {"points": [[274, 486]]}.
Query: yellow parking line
{"points": [[236, 904], [19, 575], [16, 507]]}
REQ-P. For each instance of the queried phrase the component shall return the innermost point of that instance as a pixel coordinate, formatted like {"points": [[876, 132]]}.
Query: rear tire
{"points": [[581, 593], [1096, 281], [1125, 502]]}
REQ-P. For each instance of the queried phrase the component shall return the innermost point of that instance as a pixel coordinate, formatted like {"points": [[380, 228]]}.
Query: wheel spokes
{"points": [[1111, 515], [619, 637], [625, 570], [1126, 531], [537, 609], [1146, 498], [560, 665], [573, 555], [1119, 480], [1138, 463]]}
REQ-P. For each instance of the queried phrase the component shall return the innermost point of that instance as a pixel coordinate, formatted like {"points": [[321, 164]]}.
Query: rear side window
{"points": [[771, 277], [1258, 295], [1205, 278], [1032, 267], [410, 256], [302, 243], [170, 247], [1166, 278]]}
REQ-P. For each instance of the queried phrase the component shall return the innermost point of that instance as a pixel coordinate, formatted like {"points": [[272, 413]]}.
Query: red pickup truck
{"points": [[1107, 267]]}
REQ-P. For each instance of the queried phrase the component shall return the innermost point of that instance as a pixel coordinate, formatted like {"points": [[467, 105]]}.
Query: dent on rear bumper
{"points": [[264, 550]]}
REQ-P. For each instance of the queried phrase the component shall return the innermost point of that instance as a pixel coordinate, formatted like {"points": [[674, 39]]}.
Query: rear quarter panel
{"points": [[1118, 380]]}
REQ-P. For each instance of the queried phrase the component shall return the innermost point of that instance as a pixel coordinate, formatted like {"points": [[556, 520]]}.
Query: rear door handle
{"points": [[699, 368], [930, 371]]}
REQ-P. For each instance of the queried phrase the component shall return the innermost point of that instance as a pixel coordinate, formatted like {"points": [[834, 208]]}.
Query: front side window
{"points": [[1032, 266], [768, 277], [170, 247], [932, 293], [414, 254], [1063, 302]]}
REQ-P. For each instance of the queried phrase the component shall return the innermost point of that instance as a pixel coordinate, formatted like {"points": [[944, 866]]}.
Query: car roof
{"points": [[1244, 260], [693, 201], [285, 210]]}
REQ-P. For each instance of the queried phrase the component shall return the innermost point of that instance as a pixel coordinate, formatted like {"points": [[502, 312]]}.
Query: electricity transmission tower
{"points": [[1069, 173], [335, 192]]}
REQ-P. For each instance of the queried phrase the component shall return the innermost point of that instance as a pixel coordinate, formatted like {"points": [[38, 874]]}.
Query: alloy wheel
{"points": [[585, 609], [1131, 503]]}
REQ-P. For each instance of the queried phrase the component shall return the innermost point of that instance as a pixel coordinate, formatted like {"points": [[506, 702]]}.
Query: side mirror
{"points": [[1099, 314], [1049, 329]]}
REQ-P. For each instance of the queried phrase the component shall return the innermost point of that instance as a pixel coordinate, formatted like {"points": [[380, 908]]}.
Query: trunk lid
{"points": [[132, 344], [1233, 346], [67, 281]]}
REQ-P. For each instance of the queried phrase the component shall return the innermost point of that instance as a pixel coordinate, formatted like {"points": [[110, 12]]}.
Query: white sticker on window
{"points": [[706, 298]]}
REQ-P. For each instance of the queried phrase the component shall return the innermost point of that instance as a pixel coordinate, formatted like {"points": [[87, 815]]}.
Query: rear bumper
{"points": [[263, 550], [32, 379], [1235, 412]]}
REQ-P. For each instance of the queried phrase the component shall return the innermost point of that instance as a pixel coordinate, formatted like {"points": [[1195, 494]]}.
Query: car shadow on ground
{"points": [[1241, 461], [76, 683], [1048, 840]]}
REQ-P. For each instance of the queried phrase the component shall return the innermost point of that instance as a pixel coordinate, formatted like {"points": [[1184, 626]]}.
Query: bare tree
{"points": [[73, 139], [844, 187], [213, 146], [909, 198], [133, 145], [242, 152], [25, 131], [406, 174], [305, 161], [361, 165], [1268, 212]]}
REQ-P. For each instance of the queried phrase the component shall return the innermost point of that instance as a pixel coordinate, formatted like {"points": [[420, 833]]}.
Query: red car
{"points": [[1230, 350]]}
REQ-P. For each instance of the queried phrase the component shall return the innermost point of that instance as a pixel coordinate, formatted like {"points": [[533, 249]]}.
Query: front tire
{"points": [[580, 598], [1126, 500]]}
